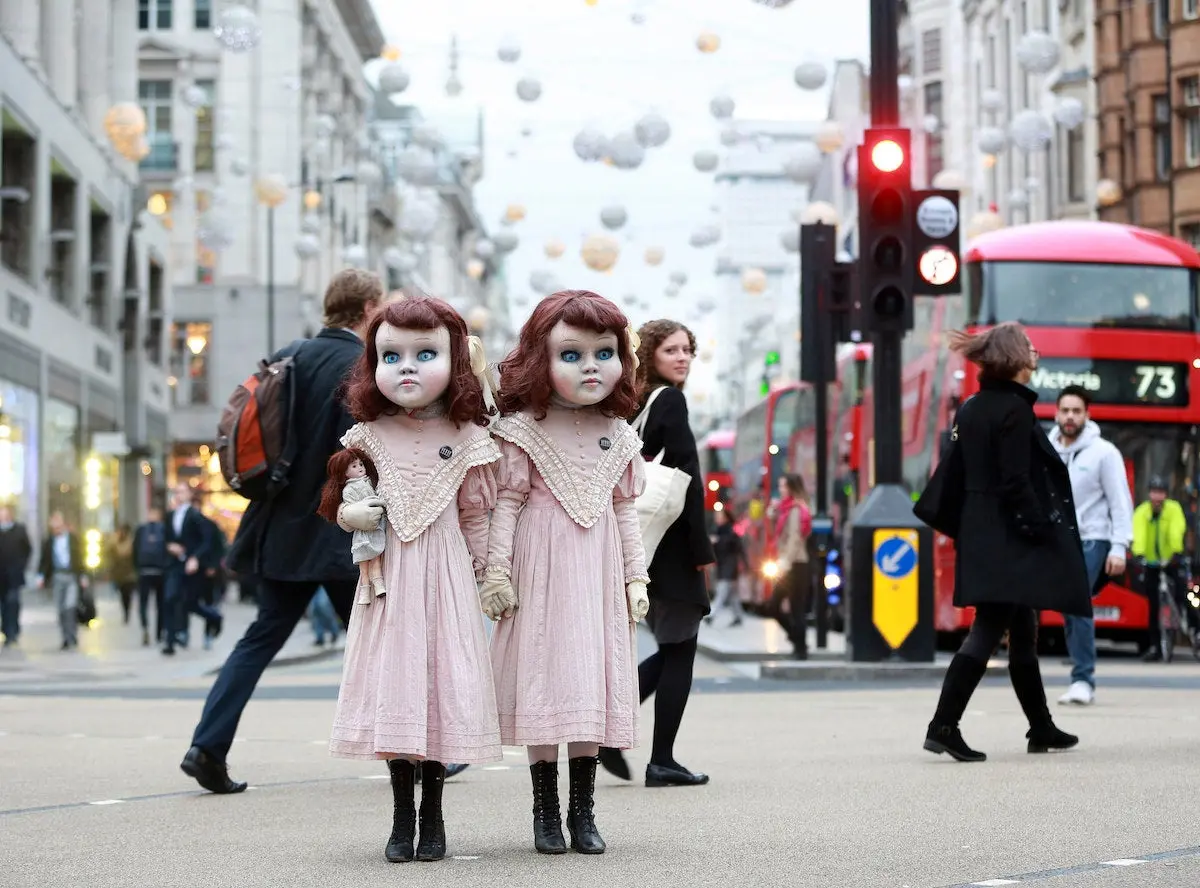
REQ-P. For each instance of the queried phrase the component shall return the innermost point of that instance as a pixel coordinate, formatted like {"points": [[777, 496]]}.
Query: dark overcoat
{"points": [[285, 539], [1018, 541], [685, 546]]}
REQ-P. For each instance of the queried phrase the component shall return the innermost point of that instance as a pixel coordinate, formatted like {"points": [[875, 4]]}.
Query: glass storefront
{"points": [[19, 439], [63, 464], [198, 465]]}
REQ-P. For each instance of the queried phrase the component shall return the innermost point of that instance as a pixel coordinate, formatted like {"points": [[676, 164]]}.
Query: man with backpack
{"points": [[282, 542]]}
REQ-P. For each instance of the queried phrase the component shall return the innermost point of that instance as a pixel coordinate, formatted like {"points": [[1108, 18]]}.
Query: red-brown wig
{"points": [[525, 374], [335, 480], [464, 395]]}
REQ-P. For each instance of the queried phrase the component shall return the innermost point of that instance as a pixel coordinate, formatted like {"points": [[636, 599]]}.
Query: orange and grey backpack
{"points": [[256, 439]]}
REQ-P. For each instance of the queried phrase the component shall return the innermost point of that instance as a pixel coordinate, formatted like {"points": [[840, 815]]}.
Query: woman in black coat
{"points": [[678, 593], [1018, 548]]}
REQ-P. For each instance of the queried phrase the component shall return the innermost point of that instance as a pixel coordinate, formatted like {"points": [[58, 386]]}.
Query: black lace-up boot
{"points": [[432, 845], [404, 813], [547, 817], [581, 819]]}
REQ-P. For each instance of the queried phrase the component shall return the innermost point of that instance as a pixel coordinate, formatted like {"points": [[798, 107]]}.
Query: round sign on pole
{"points": [[938, 265], [937, 216]]}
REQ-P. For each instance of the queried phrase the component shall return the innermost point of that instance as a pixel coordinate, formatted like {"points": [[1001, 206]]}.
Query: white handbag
{"points": [[661, 504]]}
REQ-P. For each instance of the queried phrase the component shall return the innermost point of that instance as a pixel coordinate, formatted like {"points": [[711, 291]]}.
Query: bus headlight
{"points": [[770, 569]]}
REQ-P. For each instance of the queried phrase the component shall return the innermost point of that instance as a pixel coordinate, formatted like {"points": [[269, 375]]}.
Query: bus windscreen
{"points": [[1097, 296]]}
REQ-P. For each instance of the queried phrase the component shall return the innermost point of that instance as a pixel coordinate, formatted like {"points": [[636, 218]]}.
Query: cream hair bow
{"points": [[479, 365], [635, 342]]}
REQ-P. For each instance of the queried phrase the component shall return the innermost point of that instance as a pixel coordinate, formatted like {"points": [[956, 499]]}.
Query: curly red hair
{"points": [[335, 479], [525, 373], [464, 395]]}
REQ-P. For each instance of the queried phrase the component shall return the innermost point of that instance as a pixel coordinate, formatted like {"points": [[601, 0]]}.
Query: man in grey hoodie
{"points": [[1104, 514]]}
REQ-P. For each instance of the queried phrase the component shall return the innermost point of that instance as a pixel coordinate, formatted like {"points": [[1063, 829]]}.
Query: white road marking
{"points": [[375, 777], [76, 736], [1122, 862], [497, 767], [465, 857], [990, 883], [108, 802]]}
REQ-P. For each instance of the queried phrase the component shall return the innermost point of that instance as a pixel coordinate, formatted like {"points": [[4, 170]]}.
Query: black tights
{"points": [[991, 622], [668, 673]]}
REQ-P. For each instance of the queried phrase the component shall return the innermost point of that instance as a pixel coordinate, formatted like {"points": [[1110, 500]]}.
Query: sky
{"points": [[599, 68]]}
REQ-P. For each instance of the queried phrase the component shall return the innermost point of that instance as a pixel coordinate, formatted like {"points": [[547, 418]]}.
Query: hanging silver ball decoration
{"points": [[543, 282], [706, 306], [509, 50], [1070, 112], [417, 165], [427, 136], [354, 255], [625, 152], [194, 96], [721, 107], [529, 89], [367, 172], [931, 124], [991, 100], [590, 145], [678, 278], [705, 236], [991, 140], [393, 79], [239, 167], [671, 291], [652, 130], [310, 223], [730, 136], [803, 164], [308, 246], [1018, 199], [1030, 131], [1038, 52], [706, 160], [485, 249], [324, 126], [400, 260], [454, 86], [1033, 184], [789, 238], [613, 217], [391, 256], [237, 29], [419, 217], [810, 75], [214, 232], [505, 240]]}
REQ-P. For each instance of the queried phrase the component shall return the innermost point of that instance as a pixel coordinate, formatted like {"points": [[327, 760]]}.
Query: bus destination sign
{"points": [[1148, 383]]}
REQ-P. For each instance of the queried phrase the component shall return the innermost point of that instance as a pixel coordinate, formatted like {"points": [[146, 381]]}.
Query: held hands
{"points": [[497, 597], [363, 515], [639, 601]]}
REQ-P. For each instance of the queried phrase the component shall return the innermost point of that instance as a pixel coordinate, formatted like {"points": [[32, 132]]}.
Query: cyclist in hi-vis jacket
{"points": [[1159, 528]]}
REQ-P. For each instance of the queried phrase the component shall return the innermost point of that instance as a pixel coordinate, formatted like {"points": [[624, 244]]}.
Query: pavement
{"points": [[814, 783]]}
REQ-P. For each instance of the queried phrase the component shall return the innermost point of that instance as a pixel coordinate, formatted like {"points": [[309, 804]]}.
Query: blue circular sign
{"points": [[896, 558]]}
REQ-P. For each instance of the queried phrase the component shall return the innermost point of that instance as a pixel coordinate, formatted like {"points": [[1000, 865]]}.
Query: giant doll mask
{"points": [[585, 366], [413, 370]]}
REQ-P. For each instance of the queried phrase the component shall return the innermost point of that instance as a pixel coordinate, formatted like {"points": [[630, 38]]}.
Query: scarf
{"points": [[785, 510]]}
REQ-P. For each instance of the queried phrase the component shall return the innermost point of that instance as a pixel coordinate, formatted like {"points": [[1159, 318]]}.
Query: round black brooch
{"points": [[446, 452], [605, 443]]}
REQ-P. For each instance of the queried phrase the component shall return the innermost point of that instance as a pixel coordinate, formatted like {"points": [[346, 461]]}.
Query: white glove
{"points": [[363, 515], [639, 601], [497, 596]]}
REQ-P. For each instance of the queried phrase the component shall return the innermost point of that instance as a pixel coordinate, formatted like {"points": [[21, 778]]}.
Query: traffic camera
{"points": [[885, 217]]}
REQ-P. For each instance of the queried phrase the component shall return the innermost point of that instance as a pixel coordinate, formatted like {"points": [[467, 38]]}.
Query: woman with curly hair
{"points": [[678, 592]]}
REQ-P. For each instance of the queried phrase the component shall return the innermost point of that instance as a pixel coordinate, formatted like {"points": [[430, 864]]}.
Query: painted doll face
{"points": [[414, 365], [584, 366], [355, 470]]}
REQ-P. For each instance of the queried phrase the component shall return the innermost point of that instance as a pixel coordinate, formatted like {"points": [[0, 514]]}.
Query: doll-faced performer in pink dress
{"points": [[566, 570], [417, 686]]}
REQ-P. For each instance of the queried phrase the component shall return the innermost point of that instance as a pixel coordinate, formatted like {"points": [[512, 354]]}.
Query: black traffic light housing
{"points": [[936, 263], [818, 247], [885, 226]]}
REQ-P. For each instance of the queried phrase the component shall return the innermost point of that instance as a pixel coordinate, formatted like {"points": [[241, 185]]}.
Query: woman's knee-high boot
{"points": [[404, 813], [1043, 735], [962, 677], [432, 845], [547, 817], [581, 819]]}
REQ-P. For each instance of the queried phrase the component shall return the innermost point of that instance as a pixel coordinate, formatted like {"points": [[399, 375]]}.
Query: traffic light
{"points": [[885, 223], [770, 368], [935, 243], [817, 259]]}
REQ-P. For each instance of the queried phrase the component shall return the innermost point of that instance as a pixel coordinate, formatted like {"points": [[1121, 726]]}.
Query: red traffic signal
{"points": [[887, 156]]}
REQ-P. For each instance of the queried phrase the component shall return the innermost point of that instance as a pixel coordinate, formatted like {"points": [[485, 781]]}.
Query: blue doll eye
{"points": [[606, 354], [390, 357], [570, 356], [426, 354]]}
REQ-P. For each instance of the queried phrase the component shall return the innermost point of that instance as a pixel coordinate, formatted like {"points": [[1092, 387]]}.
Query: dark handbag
{"points": [[85, 610], [941, 504]]}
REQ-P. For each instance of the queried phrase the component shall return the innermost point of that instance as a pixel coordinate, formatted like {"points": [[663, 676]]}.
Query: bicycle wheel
{"points": [[1168, 628]]}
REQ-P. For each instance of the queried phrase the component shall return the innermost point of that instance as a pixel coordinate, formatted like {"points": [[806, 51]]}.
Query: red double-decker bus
{"points": [[716, 465]]}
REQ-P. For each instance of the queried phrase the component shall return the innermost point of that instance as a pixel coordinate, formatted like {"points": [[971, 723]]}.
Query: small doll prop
{"points": [[417, 687], [566, 573], [359, 480]]}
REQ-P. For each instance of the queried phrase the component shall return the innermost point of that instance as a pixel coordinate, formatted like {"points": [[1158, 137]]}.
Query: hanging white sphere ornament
{"points": [[1018, 199], [271, 190], [654, 255], [485, 249], [478, 319], [1108, 192], [754, 280], [706, 305], [214, 232], [1038, 52], [194, 96], [514, 212], [237, 29], [613, 217], [393, 79], [730, 136], [475, 269], [625, 152], [427, 136], [1033, 184], [671, 291], [991, 140], [600, 252], [239, 167], [706, 160], [931, 124], [310, 223], [543, 282], [509, 50], [355, 255], [721, 107], [652, 130], [324, 126], [1030, 131], [810, 75], [367, 172], [830, 136], [789, 239], [678, 278], [392, 256], [505, 241], [405, 262], [708, 42], [453, 85], [308, 246], [951, 180], [705, 236], [554, 248], [991, 100], [905, 84], [821, 212], [529, 89], [590, 144], [1070, 112], [418, 218], [803, 164], [417, 165]]}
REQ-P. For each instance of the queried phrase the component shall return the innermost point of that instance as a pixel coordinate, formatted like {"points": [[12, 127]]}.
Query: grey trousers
{"points": [[65, 588]]}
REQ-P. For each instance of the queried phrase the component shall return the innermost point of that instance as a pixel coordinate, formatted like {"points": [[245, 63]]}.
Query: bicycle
{"points": [[1172, 621]]}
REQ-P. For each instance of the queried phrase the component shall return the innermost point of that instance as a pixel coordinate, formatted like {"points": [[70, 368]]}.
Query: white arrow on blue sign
{"points": [[896, 558]]}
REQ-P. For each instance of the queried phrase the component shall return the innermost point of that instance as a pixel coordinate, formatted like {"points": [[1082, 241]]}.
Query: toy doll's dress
{"points": [[566, 661], [417, 678]]}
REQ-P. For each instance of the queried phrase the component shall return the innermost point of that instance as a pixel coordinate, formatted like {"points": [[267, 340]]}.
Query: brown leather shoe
{"points": [[210, 773]]}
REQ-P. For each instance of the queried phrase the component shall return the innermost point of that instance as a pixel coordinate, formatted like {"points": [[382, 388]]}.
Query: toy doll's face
{"points": [[356, 470], [414, 365], [584, 366]]}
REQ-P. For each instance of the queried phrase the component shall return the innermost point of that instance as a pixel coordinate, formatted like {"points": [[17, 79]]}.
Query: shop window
{"points": [[156, 101], [1190, 87], [155, 15], [205, 153], [20, 440], [1162, 138], [18, 155], [99, 264], [62, 460], [63, 234], [206, 259], [202, 14], [191, 347]]}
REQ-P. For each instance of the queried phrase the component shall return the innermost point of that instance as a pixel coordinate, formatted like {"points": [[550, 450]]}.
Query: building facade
{"points": [[1148, 81], [84, 275]]}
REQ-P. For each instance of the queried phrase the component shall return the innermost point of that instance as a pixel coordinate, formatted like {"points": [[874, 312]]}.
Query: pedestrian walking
{"points": [[121, 570], [15, 550], [188, 544], [1159, 532], [793, 526], [62, 572], [1017, 542], [1104, 515], [288, 549], [150, 558], [678, 592], [564, 650], [324, 619], [731, 561], [417, 688]]}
